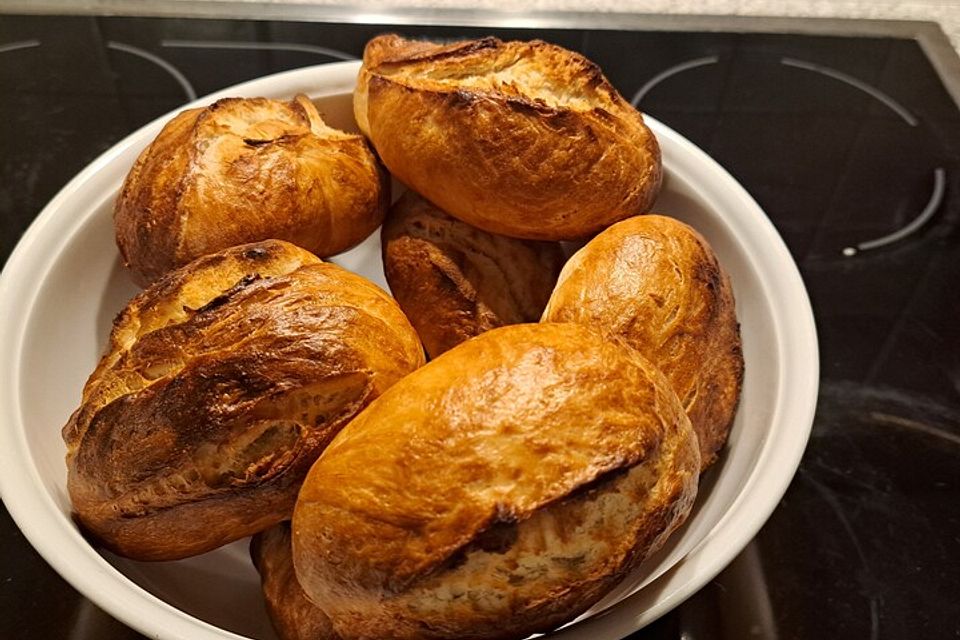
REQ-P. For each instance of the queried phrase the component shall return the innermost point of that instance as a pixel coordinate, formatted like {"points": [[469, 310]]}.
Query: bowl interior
{"points": [[81, 285]]}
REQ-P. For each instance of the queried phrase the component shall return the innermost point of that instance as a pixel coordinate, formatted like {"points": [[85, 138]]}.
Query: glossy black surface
{"points": [[866, 541]]}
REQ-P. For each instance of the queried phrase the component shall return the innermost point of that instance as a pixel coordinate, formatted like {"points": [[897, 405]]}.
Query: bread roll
{"points": [[221, 385], [656, 283], [293, 616], [498, 491], [455, 281], [243, 170], [524, 139]]}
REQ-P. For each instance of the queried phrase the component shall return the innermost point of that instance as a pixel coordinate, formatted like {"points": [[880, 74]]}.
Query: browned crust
{"points": [[521, 423], [656, 283], [391, 48], [524, 139], [293, 616], [455, 281], [674, 493], [221, 386], [149, 201], [243, 170]]}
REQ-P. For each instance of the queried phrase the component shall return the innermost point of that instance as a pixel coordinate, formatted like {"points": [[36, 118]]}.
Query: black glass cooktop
{"points": [[850, 144]]}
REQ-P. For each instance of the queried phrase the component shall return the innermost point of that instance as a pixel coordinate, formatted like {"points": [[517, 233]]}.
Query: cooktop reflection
{"points": [[850, 145]]}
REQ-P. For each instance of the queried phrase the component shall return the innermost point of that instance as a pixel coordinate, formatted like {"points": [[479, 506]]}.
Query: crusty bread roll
{"points": [[243, 170], [221, 385], [455, 281], [293, 616], [498, 491], [524, 139], [656, 282]]}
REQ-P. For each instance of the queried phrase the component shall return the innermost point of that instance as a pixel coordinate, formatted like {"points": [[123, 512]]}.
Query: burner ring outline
{"points": [[160, 62], [939, 174], [870, 90], [669, 72], [16, 46], [936, 198], [257, 46]]}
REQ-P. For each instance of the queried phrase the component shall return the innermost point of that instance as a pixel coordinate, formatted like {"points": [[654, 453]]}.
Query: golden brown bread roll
{"points": [[455, 281], [656, 283], [221, 385], [243, 170], [293, 616], [524, 139], [498, 491]]}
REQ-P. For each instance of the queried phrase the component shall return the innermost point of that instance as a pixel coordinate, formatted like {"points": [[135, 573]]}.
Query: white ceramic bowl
{"points": [[64, 283]]}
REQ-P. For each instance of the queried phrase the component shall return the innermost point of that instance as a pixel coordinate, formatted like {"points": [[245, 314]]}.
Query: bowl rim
{"points": [[59, 542]]}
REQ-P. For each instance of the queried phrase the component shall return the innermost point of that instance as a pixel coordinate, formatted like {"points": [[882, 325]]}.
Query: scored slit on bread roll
{"points": [[243, 170], [498, 491], [524, 139], [292, 614], [220, 386], [455, 281], [655, 282]]}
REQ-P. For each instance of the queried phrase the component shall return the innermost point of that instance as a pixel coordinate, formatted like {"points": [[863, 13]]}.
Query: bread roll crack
{"points": [[498, 491], [524, 139], [221, 386]]}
